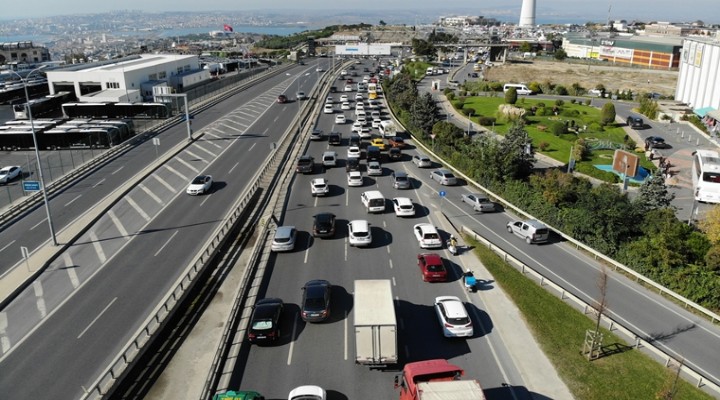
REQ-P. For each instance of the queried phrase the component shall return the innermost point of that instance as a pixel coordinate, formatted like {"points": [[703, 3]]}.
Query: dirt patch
{"points": [[588, 76]]}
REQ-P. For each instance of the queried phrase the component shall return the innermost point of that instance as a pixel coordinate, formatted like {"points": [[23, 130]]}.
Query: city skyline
{"points": [[548, 11]]}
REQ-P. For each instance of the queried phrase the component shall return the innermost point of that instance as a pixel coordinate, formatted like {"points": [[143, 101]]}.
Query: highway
{"points": [[64, 329]]}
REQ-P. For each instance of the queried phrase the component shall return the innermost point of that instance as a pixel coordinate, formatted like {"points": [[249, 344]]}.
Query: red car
{"points": [[397, 141], [349, 80], [432, 267], [282, 99]]}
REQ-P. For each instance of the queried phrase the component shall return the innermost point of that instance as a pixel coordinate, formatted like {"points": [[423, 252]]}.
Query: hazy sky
{"points": [[547, 10]]}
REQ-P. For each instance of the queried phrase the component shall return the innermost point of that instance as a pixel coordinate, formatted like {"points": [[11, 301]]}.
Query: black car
{"points": [[373, 153], [352, 164], [316, 301], [635, 122], [395, 154], [324, 225], [305, 164], [264, 322], [333, 89], [334, 138], [656, 142], [355, 140]]}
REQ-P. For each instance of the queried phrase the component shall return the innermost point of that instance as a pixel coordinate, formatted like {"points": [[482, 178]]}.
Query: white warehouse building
{"points": [[130, 79], [699, 78]]}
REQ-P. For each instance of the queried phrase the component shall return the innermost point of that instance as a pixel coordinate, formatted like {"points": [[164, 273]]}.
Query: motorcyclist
{"points": [[453, 241]]}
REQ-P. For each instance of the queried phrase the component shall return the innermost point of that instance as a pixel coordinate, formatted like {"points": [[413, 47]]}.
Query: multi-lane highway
{"points": [[62, 331]]}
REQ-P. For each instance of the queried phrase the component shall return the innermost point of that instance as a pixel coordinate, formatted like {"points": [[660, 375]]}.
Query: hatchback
{"points": [[284, 239], [359, 233], [427, 236], [444, 177], [319, 187], [316, 300], [328, 109], [422, 161], [403, 207], [353, 152], [453, 317], [374, 168], [401, 180], [324, 225], [354, 178], [432, 267]]}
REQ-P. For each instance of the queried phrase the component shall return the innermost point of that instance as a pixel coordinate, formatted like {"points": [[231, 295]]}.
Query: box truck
{"points": [[436, 380], [375, 324]]}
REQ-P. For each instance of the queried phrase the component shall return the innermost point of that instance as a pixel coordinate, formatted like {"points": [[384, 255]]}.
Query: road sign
{"points": [[442, 193], [31, 186]]}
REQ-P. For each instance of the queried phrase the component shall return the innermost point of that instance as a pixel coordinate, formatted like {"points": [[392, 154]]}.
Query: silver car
{"points": [[284, 239], [444, 177], [422, 161], [401, 180], [479, 202]]}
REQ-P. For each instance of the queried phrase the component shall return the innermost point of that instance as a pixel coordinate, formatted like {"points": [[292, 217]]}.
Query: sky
{"points": [[506, 10]]}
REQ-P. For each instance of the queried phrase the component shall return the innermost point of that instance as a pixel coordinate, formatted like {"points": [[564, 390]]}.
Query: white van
{"points": [[373, 201], [519, 88], [387, 129], [429, 71]]}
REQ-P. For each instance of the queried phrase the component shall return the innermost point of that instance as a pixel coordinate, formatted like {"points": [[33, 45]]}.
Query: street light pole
{"points": [[37, 151]]}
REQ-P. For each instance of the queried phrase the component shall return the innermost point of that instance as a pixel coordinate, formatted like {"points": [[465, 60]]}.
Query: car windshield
{"points": [[199, 180], [360, 234], [262, 324], [431, 235], [314, 304]]}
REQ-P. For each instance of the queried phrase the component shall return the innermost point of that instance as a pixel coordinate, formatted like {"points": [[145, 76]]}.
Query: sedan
{"points": [[656, 142], [307, 392], [316, 134], [9, 173], [316, 301], [354, 178], [422, 161], [359, 233], [427, 236], [479, 202], [374, 168], [359, 97], [345, 106], [282, 99], [301, 96], [348, 88], [453, 317], [432, 267], [264, 322], [444, 177], [397, 141], [403, 207], [401, 180], [344, 98], [319, 69], [284, 239], [200, 185], [340, 119], [353, 152], [324, 225]]}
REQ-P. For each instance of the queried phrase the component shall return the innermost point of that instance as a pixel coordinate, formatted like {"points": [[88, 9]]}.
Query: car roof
{"points": [[432, 258], [355, 173], [400, 174], [403, 200], [535, 224], [426, 227], [284, 231], [318, 180], [454, 308], [360, 225]]}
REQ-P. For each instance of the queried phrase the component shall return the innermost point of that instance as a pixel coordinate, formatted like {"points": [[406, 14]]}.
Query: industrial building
{"points": [[641, 51], [699, 80], [130, 79]]}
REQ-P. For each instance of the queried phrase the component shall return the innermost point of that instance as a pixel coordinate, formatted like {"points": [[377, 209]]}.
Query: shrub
{"points": [[468, 111], [573, 101], [559, 102], [447, 91], [495, 86], [580, 149], [557, 128], [595, 127], [588, 102], [570, 113], [540, 104], [511, 96], [561, 90], [486, 121], [535, 87], [543, 146], [450, 95], [457, 104], [607, 114]]}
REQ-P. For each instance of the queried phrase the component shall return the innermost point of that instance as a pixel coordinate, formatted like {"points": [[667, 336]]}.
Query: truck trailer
{"points": [[375, 323], [436, 380]]}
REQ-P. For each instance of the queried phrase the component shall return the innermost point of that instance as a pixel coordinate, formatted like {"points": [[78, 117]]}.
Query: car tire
{"points": [[509, 229], [528, 240]]}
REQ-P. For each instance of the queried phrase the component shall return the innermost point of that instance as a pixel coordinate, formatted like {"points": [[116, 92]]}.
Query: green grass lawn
{"points": [[624, 373]]}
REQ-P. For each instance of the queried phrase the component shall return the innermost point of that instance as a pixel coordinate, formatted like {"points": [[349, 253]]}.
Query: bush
{"points": [[543, 146], [457, 104], [540, 104], [559, 102], [589, 170], [486, 121], [570, 113], [561, 90], [511, 96], [588, 102], [447, 91], [468, 111], [607, 114], [557, 128], [573, 101], [535, 87], [595, 127]]}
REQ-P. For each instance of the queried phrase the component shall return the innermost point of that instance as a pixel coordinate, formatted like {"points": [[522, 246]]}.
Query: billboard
{"points": [[616, 52], [363, 49], [625, 162]]}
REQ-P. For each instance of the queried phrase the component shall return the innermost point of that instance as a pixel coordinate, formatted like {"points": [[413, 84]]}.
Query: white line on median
{"points": [[118, 224], [166, 243], [99, 183], [70, 268], [137, 208], [292, 340], [40, 302], [98, 247], [151, 194], [96, 318], [346, 334]]}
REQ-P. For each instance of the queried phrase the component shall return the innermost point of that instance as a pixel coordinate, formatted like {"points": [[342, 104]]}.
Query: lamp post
{"points": [[37, 151]]}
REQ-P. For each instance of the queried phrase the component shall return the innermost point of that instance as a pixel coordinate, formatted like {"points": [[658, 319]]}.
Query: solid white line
{"points": [[151, 194], [99, 183], [70, 268], [117, 170], [98, 247], [73, 200], [118, 224], [345, 326], [137, 208], [166, 243], [292, 341], [42, 221], [96, 318], [233, 168], [6, 246]]}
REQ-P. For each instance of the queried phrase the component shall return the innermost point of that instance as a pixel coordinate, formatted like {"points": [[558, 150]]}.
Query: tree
{"points": [[422, 113], [515, 155], [560, 54], [511, 96], [653, 193], [382, 23], [711, 225], [424, 48], [446, 133], [607, 114], [526, 47]]}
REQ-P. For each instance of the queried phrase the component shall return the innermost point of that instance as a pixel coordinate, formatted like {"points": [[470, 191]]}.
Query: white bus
{"points": [[706, 176]]}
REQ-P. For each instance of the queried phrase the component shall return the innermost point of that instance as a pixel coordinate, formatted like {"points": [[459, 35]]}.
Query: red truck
{"points": [[436, 380]]}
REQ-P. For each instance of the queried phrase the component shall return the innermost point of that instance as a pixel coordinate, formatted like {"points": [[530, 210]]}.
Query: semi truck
{"points": [[436, 380], [375, 323]]}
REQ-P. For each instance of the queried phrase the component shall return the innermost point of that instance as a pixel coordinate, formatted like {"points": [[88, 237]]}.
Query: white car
{"points": [[340, 119], [427, 236], [359, 106], [345, 106], [376, 123], [374, 168], [361, 119], [403, 207], [359, 97], [422, 161], [354, 178], [364, 132], [348, 88], [343, 72], [9, 173], [200, 185], [308, 392], [359, 233], [356, 126], [329, 100], [319, 187], [374, 104], [453, 317], [353, 152], [344, 98], [328, 109], [319, 69]]}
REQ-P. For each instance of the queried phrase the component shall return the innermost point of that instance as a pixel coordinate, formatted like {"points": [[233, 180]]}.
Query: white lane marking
{"points": [[96, 318], [166, 243], [99, 183], [231, 127], [176, 172], [211, 134], [117, 170], [195, 156], [393, 281], [70, 268], [276, 118], [151, 194], [39, 301], [118, 224], [391, 264], [213, 155], [4, 340], [345, 326], [233, 168], [42, 221], [73, 200], [7, 245], [252, 147], [98, 247], [137, 208], [292, 340], [164, 183], [347, 198], [346, 248], [187, 164]]}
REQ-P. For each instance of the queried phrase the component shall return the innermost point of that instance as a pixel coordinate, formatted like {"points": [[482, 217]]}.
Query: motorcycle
{"points": [[469, 281], [452, 246]]}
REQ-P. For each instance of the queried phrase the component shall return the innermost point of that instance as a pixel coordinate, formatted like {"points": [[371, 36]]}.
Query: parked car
{"points": [[284, 239], [264, 321], [453, 317], [422, 161], [432, 267], [324, 225], [532, 231], [479, 202], [316, 300], [427, 236], [359, 233], [656, 142], [9, 173], [444, 177], [404, 207], [200, 185], [635, 122]]}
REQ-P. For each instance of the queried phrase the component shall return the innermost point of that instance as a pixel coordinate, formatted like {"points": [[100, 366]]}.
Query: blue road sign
{"points": [[442, 193], [31, 186]]}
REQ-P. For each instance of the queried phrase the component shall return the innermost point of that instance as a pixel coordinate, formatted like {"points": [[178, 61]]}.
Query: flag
{"points": [[227, 28]]}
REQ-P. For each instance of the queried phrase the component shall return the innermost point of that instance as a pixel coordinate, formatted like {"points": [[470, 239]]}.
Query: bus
{"points": [[706, 176], [42, 106]]}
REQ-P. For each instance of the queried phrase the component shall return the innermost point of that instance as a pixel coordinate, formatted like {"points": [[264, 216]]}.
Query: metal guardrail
{"points": [[612, 325]]}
